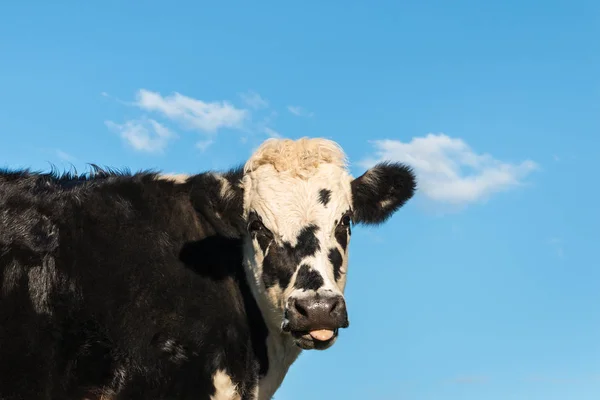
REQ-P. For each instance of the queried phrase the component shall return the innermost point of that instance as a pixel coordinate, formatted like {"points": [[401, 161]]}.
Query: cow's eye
{"points": [[346, 219], [256, 226]]}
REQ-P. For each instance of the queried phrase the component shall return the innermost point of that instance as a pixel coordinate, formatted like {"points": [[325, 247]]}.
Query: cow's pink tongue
{"points": [[322, 334]]}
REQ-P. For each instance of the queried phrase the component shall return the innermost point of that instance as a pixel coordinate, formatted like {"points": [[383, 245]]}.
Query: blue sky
{"points": [[485, 286]]}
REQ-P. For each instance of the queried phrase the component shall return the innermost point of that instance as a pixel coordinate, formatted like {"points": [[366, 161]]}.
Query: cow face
{"points": [[299, 203]]}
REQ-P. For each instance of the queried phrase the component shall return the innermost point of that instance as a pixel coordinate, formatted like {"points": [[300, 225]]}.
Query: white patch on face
{"points": [[270, 302], [286, 205], [282, 183], [224, 387], [341, 282]]}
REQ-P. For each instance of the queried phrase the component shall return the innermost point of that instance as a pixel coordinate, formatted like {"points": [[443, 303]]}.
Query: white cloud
{"points": [[299, 111], [449, 171], [254, 100], [207, 117], [187, 113], [145, 135]]}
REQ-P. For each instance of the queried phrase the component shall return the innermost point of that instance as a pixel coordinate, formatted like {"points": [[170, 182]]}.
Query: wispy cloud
{"points": [[449, 171], [300, 112], [254, 100], [144, 135], [191, 113], [148, 132]]}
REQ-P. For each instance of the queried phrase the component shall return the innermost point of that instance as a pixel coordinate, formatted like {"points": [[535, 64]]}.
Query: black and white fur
{"points": [[131, 286]]}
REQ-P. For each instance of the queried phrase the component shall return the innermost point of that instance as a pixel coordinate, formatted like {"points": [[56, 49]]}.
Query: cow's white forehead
{"points": [[283, 182], [288, 204]]}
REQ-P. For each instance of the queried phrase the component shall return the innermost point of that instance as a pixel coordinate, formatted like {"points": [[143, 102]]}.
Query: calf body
{"points": [[103, 292], [207, 287]]}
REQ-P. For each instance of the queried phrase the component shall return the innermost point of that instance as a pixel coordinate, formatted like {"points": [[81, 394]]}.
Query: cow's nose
{"points": [[312, 313]]}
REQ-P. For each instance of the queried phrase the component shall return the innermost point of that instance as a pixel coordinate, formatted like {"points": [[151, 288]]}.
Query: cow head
{"points": [[297, 203]]}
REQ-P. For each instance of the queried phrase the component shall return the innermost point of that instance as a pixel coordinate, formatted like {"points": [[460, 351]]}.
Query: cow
{"points": [[119, 285]]}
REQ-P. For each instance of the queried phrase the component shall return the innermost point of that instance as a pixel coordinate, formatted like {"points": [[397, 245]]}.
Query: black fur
{"points": [[341, 236], [282, 260], [335, 258], [110, 285], [308, 279], [381, 191], [324, 196], [126, 285], [224, 214], [308, 243], [262, 235]]}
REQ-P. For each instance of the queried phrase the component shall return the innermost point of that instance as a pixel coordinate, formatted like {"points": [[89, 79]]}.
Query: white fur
{"points": [[224, 387], [282, 353], [281, 183]]}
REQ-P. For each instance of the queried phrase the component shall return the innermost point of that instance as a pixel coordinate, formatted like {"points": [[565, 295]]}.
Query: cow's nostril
{"points": [[334, 306], [300, 308]]}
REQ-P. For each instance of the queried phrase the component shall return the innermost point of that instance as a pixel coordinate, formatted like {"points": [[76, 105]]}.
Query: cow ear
{"points": [[381, 191], [218, 199]]}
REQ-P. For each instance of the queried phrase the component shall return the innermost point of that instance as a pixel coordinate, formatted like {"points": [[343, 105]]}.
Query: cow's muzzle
{"points": [[314, 321]]}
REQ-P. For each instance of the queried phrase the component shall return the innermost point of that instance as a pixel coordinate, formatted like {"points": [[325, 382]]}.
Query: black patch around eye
{"points": [[258, 230], [341, 235], [343, 229], [308, 279], [278, 268], [335, 257], [346, 219], [324, 196], [279, 265], [308, 243], [263, 242]]}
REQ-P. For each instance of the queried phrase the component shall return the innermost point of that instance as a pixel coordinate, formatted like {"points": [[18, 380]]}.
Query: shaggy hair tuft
{"points": [[299, 157]]}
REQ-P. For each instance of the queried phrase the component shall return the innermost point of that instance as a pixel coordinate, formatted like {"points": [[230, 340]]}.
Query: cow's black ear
{"points": [[381, 191], [218, 198]]}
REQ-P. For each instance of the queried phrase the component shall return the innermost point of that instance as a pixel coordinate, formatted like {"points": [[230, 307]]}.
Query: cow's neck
{"points": [[280, 351]]}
